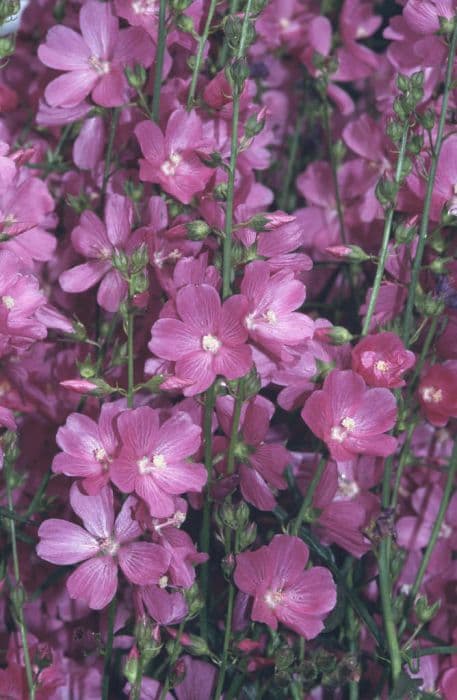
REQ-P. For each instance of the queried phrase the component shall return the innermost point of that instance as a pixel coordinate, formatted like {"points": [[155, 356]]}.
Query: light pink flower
{"points": [[154, 459], [102, 545], [173, 160], [382, 359], [283, 592], [101, 242], [350, 418], [208, 338], [88, 448], [95, 61], [271, 319]]}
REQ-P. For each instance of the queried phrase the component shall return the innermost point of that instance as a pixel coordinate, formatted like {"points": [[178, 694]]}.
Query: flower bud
{"points": [[402, 82], [236, 74], [121, 262], [220, 192], [134, 190], [131, 665], [386, 192], [185, 24], [333, 335], [425, 612], [255, 124], [139, 258], [136, 77], [197, 230], [247, 536], [447, 25], [228, 565], [427, 119], [196, 645], [349, 253], [179, 5], [139, 283], [429, 306], [194, 601]]}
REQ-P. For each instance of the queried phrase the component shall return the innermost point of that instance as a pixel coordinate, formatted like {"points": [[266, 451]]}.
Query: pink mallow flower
{"points": [[283, 592], [438, 393], [88, 447], [101, 242], [95, 61], [271, 320], [154, 459], [382, 359], [207, 339], [172, 161], [102, 545], [350, 418]]}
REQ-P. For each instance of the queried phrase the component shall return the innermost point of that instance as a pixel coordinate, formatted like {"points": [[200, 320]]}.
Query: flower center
{"points": [[144, 7], [163, 582], [249, 321], [273, 598], [348, 423], [431, 394], [99, 66], [284, 22], [170, 166], [108, 546], [270, 317], [339, 432], [211, 344], [8, 302], [381, 366], [347, 488], [445, 531], [148, 466]]}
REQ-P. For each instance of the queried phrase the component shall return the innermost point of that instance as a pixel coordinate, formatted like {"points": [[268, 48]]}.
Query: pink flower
{"points": [[271, 319], [438, 393], [153, 460], [173, 160], [102, 546], [283, 592], [208, 338], [95, 61], [101, 242], [423, 15], [88, 447], [350, 418], [261, 463], [382, 359]]}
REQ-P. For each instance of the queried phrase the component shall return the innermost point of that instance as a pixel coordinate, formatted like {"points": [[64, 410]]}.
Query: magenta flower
{"points": [[173, 160], [88, 448], [100, 242], [261, 463], [382, 359], [154, 459], [208, 338], [271, 319], [95, 61], [283, 592], [350, 418], [438, 393], [102, 545]]}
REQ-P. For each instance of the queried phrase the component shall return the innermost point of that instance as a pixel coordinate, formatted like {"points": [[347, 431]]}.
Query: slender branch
{"points": [[385, 589], [18, 593], [161, 43], [386, 235], [210, 399], [233, 9], [334, 169], [198, 59], [293, 151], [435, 155], [109, 152], [108, 650], [308, 499]]}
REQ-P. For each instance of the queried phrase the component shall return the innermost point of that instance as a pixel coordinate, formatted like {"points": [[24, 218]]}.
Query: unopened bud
{"points": [[425, 612], [247, 536], [136, 77], [185, 24], [131, 665], [333, 335], [197, 230], [349, 253]]}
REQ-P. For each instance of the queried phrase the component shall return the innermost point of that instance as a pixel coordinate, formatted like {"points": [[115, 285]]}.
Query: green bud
{"points": [[400, 110], [405, 234], [242, 515], [237, 73], [153, 384], [185, 24], [247, 536], [253, 127], [139, 259], [79, 331], [415, 144], [339, 151], [251, 384], [407, 167], [131, 666], [178, 6], [134, 190], [446, 25], [194, 601], [284, 658], [429, 305], [232, 26], [17, 597], [437, 242], [87, 369], [197, 646], [120, 262], [227, 515], [428, 119], [228, 565], [425, 612], [402, 82], [79, 203], [220, 192], [417, 79], [417, 93], [386, 192], [257, 6], [198, 230], [59, 11], [394, 130], [439, 265], [139, 283], [333, 335], [9, 9], [136, 77], [214, 160]]}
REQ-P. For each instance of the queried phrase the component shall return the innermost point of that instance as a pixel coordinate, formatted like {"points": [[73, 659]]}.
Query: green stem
{"points": [[198, 59], [210, 399], [19, 593], [233, 9], [108, 649], [437, 525], [293, 151], [435, 155], [385, 236], [308, 499], [109, 152], [130, 357], [234, 429], [403, 459], [334, 168], [385, 588], [228, 229], [227, 631], [431, 651], [173, 656], [162, 40]]}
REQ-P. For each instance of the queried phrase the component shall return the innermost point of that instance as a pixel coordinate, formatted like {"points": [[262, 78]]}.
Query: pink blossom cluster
{"points": [[228, 332]]}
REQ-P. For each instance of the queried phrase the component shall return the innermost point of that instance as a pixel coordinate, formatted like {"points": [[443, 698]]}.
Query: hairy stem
{"points": [[198, 59], [435, 155], [385, 236], [161, 43]]}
